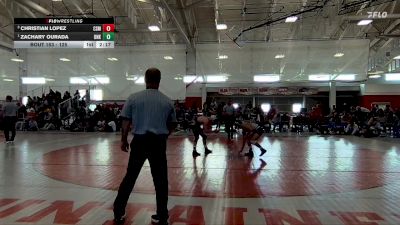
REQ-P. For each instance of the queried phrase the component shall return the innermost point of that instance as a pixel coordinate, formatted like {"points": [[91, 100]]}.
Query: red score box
{"points": [[108, 27]]}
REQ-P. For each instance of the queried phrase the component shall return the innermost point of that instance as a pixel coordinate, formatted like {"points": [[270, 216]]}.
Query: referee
{"points": [[10, 111], [153, 118]]}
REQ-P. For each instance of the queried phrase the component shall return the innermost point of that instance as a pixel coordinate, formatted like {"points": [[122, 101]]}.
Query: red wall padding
{"points": [[367, 100], [193, 101]]}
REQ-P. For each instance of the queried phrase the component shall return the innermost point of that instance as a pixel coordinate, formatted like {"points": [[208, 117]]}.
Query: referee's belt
{"points": [[150, 134]]}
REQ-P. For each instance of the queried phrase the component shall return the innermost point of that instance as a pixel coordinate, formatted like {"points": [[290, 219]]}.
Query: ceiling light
{"points": [[9, 80], [291, 19], [375, 76], [99, 80], [346, 77], [178, 78], [50, 79], [280, 56], [167, 57], [65, 60], [192, 79], [112, 59], [77, 80], [339, 54], [17, 60], [33, 80], [222, 57], [397, 57], [319, 77], [216, 78], [392, 76], [364, 22], [222, 26], [140, 80], [89, 80], [154, 28], [266, 78]]}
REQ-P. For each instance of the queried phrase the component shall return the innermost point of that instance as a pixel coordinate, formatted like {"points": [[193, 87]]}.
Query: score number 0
{"points": [[108, 27]]}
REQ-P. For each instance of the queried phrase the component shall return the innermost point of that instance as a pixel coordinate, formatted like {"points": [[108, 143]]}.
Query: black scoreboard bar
{"points": [[64, 20], [57, 28], [70, 36], [64, 32]]}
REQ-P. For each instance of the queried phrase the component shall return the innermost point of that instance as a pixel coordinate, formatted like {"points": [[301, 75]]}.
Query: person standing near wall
{"points": [[229, 114], [10, 111], [153, 118]]}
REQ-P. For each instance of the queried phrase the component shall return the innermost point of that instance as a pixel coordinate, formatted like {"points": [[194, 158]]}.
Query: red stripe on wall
{"points": [[193, 102], [367, 100]]}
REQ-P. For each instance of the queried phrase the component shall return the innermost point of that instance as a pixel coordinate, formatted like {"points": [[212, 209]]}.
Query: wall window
{"points": [[82, 93], [24, 100], [96, 95], [265, 107], [296, 107], [92, 107]]}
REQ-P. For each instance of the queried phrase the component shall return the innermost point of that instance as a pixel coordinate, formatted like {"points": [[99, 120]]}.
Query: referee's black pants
{"points": [[229, 123], [9, 125], [152, 147]]}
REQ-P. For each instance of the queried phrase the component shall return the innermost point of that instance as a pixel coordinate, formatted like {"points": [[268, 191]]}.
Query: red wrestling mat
{"points": [[292, 166]]}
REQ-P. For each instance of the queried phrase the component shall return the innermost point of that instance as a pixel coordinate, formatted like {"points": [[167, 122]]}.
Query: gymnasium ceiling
{"points": [[193, 22]]}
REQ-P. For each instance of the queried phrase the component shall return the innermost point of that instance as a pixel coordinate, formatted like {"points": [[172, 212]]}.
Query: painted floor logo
{"points": [[37, 211]]}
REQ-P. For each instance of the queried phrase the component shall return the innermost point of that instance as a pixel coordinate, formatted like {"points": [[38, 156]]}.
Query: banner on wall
{"points": [[269, 91], [266, 91], [287, 91], [228, 91], [246, 91], [308, 91], [282, 90]]}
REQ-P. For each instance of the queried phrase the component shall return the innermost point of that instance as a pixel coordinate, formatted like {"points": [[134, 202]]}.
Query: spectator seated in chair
{"points": [[49, 120], [323, 125], [372, 128], [352, 129], [32, 125]]}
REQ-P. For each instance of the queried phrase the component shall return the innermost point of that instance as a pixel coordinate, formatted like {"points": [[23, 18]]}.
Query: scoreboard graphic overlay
{"points": [[64, 32]]}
